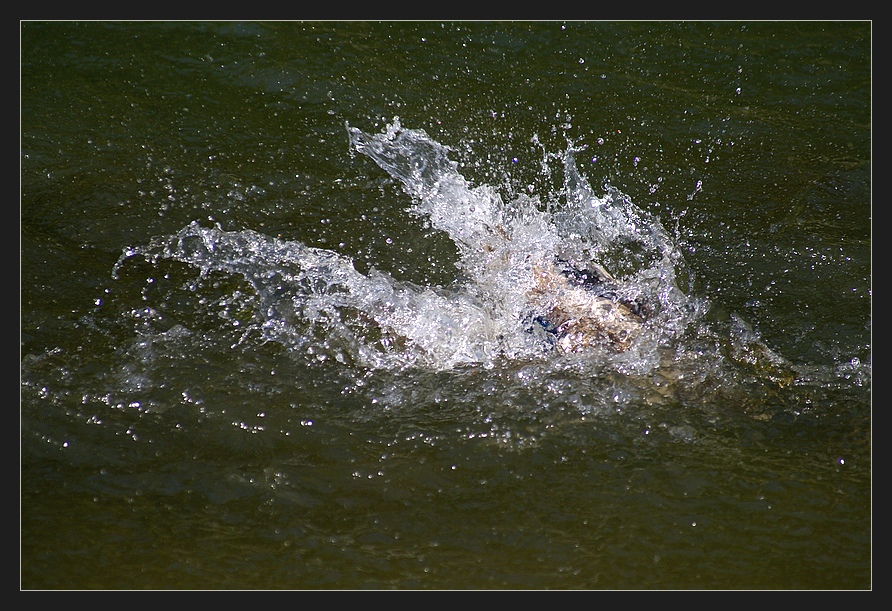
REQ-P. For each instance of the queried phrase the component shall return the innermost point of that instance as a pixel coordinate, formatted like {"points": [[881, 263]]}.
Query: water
{"points": [[284, 325]]}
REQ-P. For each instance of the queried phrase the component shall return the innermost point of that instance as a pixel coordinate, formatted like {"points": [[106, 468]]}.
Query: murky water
{"points": [[460, 305]]}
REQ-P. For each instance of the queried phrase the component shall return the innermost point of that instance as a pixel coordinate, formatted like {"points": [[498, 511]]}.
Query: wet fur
{"points": [[580, 308]]}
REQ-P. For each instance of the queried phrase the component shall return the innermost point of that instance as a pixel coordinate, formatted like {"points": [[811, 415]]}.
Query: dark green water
{"points": [[168, 442]]}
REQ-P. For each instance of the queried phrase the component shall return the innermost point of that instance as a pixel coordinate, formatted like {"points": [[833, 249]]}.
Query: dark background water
{"points": [[153, 457]]}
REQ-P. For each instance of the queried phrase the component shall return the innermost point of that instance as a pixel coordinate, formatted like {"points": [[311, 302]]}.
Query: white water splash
{"points": [[311, 296]]}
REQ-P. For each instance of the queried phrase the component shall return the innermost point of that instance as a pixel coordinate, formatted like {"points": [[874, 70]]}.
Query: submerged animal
{"points": [[581, 309]]}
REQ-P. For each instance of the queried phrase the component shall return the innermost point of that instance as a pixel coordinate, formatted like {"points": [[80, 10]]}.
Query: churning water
{"points": [[315, 302]]}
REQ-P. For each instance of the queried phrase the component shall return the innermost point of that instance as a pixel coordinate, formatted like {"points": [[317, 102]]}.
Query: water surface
{"points": [[255, 356]]}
